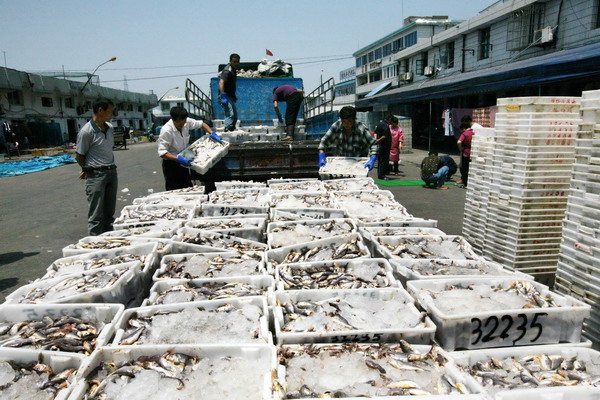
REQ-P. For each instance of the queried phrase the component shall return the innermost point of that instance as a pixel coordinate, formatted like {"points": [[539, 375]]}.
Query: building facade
{"points": [[512, 48], [46, 111], [345, 89]]}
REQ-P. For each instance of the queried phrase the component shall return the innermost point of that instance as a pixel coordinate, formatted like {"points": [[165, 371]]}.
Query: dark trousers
{"points": [[396, 170], [101, 192], [383, 163], [464, 169], [176, 176], [293, 103]]}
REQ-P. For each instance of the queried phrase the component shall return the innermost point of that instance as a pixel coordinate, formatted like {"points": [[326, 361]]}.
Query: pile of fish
{"points": [[74, 266], [361, 370], [484, 297], [103, 244], [433, 267], [214, 265], [249, 197], [204, 150], [192, 189], [301, 186], [535, 370], [444, 247], [65, 333], [345, 166], [345, 251], [307, 200], [222, 224], [350, 311], [228, 243], [355, 184], [72, 285], [367, 274], [189, 291], [141, 213], [371, 206], [171, 199], [32, 381], [178, 376], [303, 231], [224, 324]]}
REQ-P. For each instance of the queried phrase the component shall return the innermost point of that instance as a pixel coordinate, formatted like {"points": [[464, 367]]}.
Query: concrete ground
{"points": [[42, 212]]}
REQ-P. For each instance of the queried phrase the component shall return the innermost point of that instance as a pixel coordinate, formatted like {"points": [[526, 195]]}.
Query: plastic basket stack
{"points": [[529, 180], [476, 202], [578, 272], [406, 124]]}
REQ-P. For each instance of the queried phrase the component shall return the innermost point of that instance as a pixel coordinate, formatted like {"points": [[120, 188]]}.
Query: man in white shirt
{"points": [[174, 138]]}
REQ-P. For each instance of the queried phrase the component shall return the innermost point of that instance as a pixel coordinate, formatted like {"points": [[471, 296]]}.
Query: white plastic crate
{"points": [[398, 222], [261, 324], [278, 256], [228, 185], [588, 356], [457, 242], [155, 212], [218, 240], [153, 231], [414, 335], [210, 150], [361, 269], [103, 316], [125, 289], [67, 265], [163, 199], [251, 227], [448, 369], [541, 104], [300, 214], [306, 200], [344, 167], [353, 184], [399, 231], [262, 354], [294, 187], [208, 258], [159, 224], [409, 270], [500, 328], [279, 234], [261, 282], [59, 362]]}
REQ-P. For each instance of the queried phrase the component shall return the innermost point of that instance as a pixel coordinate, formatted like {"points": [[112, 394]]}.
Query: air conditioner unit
{"points": [[407, 76], [544, 35], [429, 70]]}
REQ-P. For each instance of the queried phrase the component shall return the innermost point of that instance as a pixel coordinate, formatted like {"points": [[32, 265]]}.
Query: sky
{"points": [[158, 44]]}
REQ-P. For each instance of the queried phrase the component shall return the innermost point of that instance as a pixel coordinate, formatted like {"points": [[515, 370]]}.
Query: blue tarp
{"points": [[34, 165]]}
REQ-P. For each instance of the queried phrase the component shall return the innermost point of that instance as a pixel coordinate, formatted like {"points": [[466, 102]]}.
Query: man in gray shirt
{"points": [[95, 156]]}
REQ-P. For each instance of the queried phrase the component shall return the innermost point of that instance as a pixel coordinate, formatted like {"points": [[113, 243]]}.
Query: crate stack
{"points": [[478, 189], [406, 124], [578, 272], [529, 179], [483, 116]]}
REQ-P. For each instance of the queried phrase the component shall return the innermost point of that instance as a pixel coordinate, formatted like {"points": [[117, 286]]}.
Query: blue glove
{"points": [[280, 118], [322, 159], [371, 163], [216, 137], [186, 162], [224, 100]]}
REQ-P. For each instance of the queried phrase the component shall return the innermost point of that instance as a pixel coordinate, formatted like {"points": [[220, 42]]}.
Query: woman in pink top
{"points": [[397, 141]]}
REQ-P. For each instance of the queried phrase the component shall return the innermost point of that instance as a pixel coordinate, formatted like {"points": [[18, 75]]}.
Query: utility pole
{"points": [[4, 58], [125, 84]]}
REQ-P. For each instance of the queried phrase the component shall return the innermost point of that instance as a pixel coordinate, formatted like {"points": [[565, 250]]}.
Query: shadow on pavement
{"points": [[11, 257], [8, 283]]}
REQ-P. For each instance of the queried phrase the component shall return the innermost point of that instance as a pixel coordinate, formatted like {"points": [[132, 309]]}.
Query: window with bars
{"points": [[522, 25], [378, 53], [450, 55], [484, 43]]}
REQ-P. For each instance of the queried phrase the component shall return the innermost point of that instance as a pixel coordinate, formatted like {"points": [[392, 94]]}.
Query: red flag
{"points": [[269, 52]]}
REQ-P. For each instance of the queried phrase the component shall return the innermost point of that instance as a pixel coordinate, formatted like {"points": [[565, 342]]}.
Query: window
{"points": [[358, 62], [387, 49], [371, 56], [450, 54], [375, 76], [47, 102], [522, 25], [402, 66], [69, 102], [410, 39], [420, 64], [165, 106], [140, 109], [363, 60], [389, 71], [378, 53], [596, 23], [129, 107], [15, 98], [484, 43], [398, 45], [180, 104]]}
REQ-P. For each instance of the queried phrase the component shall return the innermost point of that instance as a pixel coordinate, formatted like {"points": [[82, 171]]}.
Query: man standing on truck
{"points": [[174, 138], [94, 154], [352, 139], [293, 98], [227, 86]]}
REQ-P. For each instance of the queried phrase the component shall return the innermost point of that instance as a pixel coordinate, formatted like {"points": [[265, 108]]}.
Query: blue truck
{"points": [[264, 160]]}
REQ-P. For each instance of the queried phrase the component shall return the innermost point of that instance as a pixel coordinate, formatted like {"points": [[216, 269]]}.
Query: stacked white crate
{"points": [[406, 124], [578, 271], [529, 182], [476, 202]]}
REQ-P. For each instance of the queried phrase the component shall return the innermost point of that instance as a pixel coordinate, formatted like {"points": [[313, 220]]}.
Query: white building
{"points": [[47, 111]]}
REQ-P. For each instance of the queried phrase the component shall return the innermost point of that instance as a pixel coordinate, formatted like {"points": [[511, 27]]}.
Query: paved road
{"points": [[43, 212]]}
